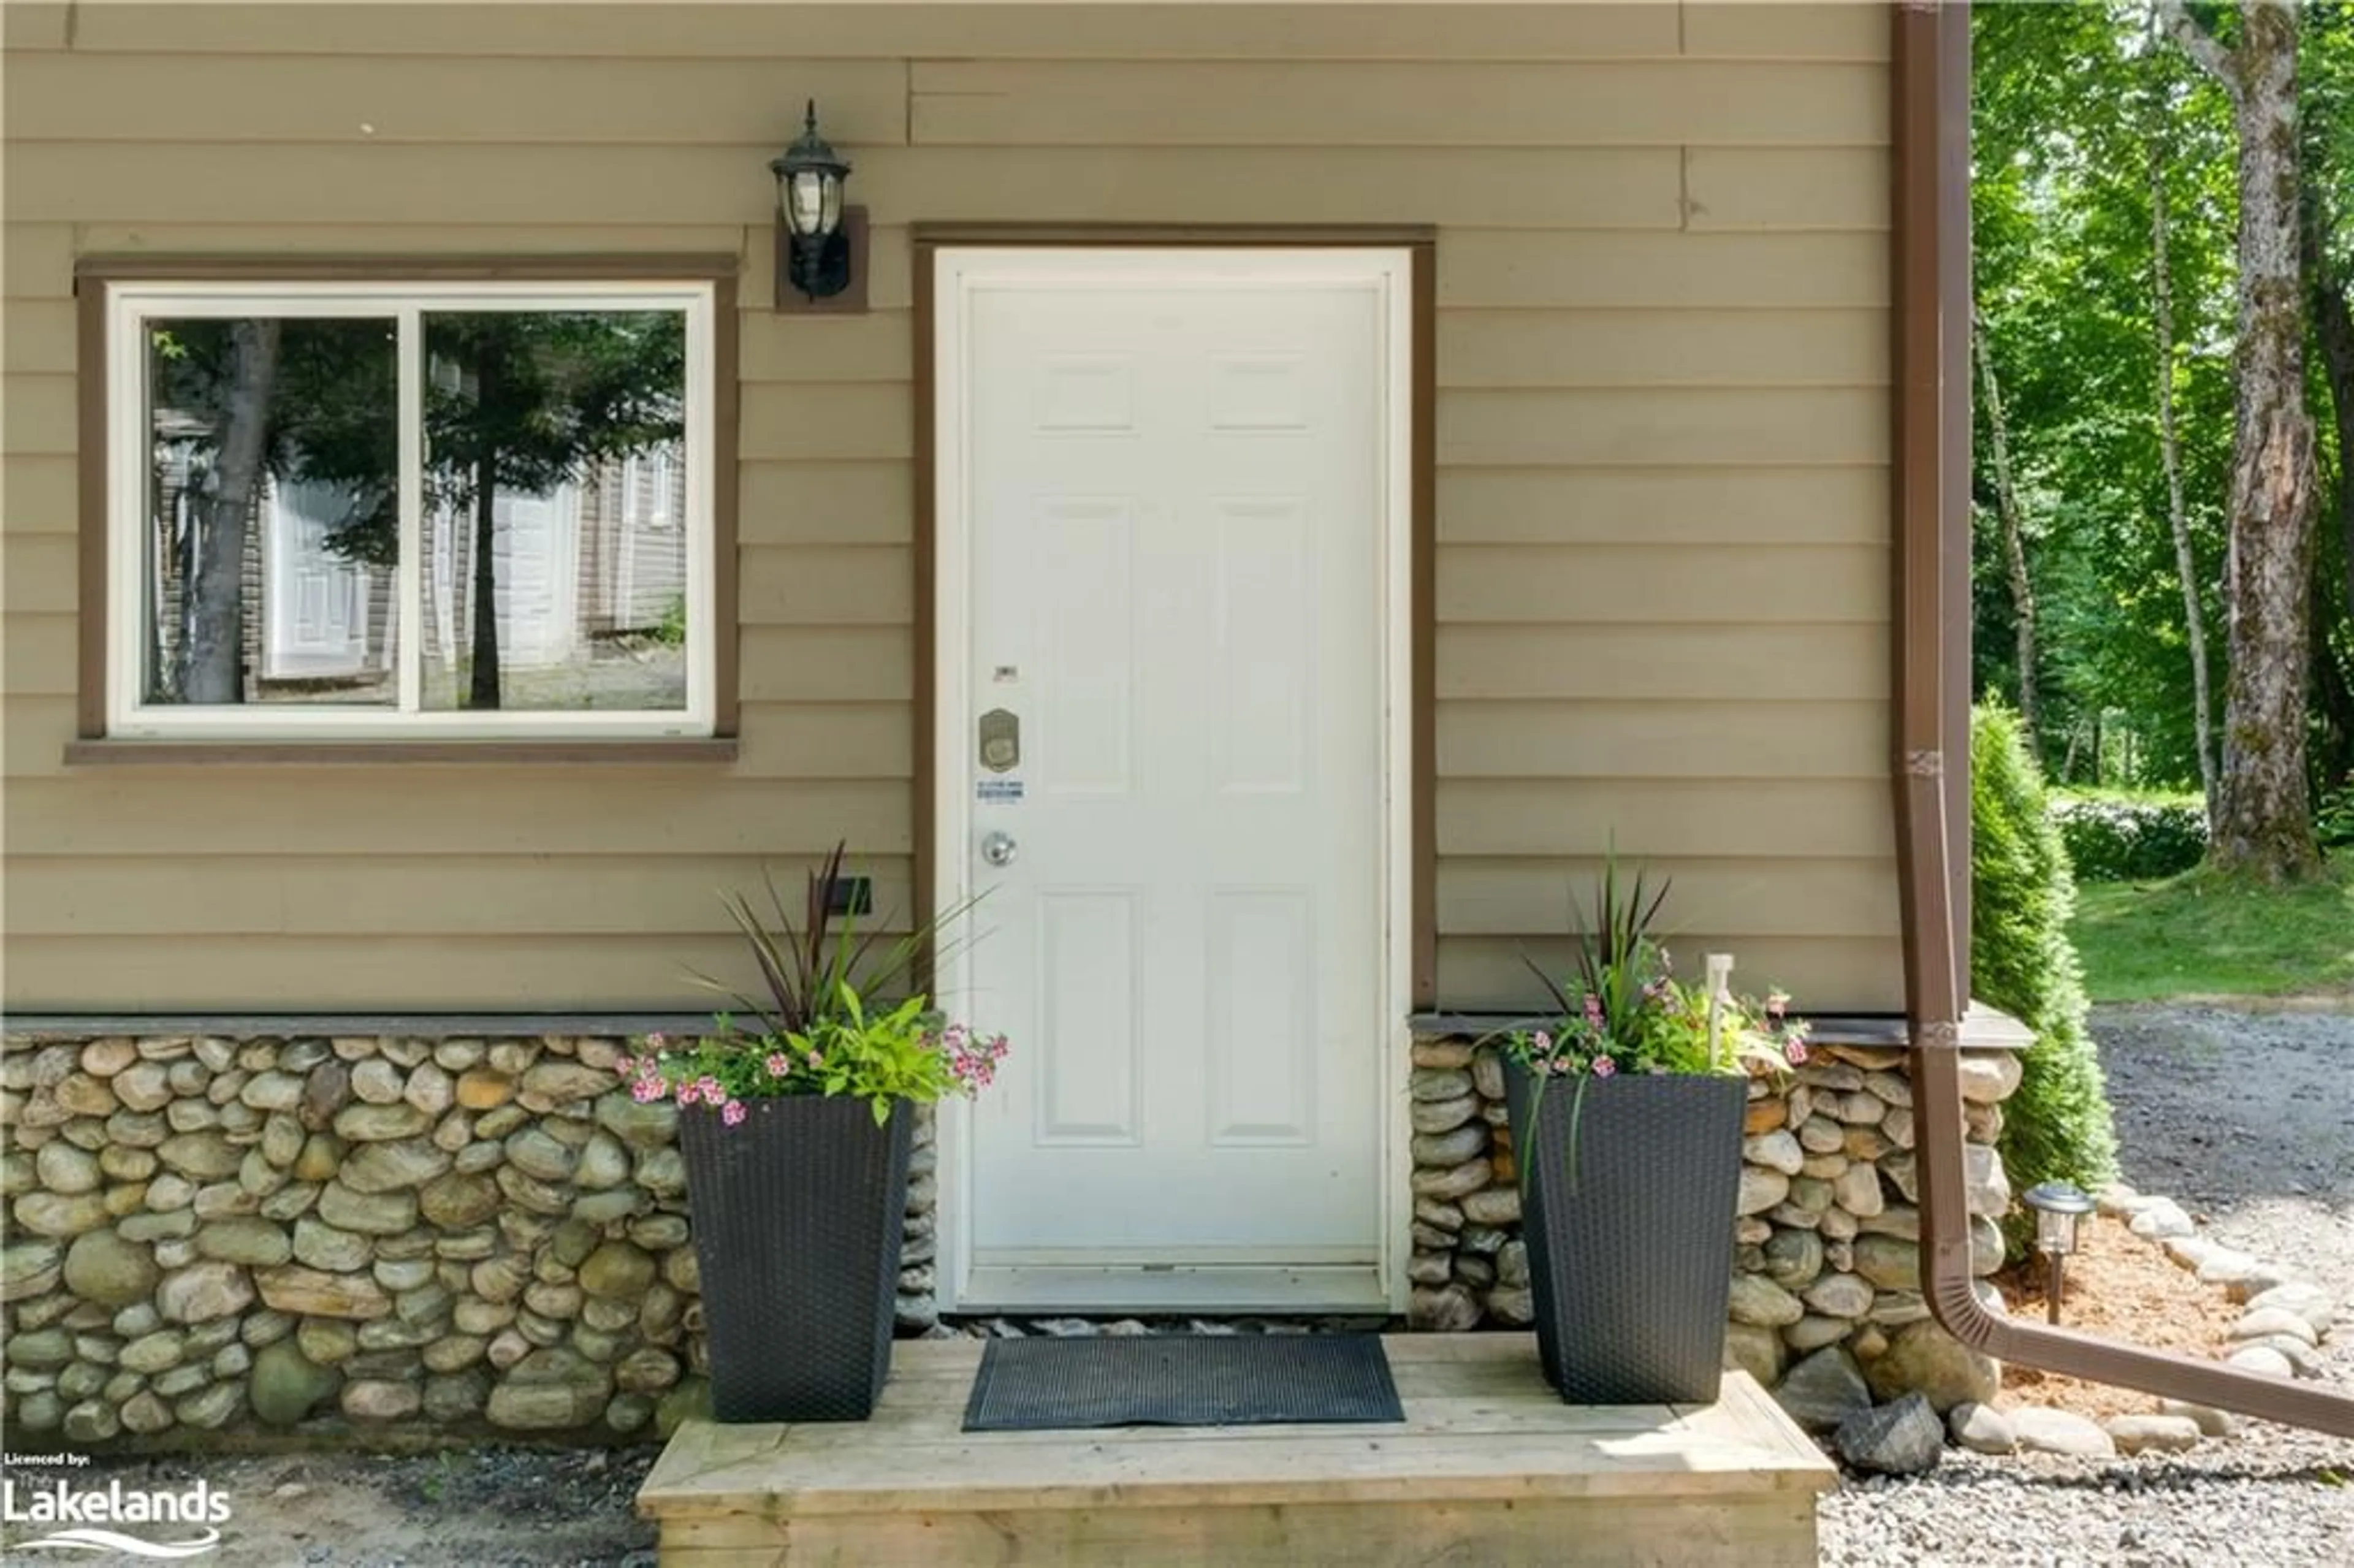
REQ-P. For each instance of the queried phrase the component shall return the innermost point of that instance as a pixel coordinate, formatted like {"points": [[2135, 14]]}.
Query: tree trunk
{"points": [[212, 665], [2333, 328], [484, 690], [2170, 446], [2263, 817], [2014, 545]]}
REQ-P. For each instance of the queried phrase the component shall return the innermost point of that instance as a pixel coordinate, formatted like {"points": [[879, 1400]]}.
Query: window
{"points": [[420, 510]]}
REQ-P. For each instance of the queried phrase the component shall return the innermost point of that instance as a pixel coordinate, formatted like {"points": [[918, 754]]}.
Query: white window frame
{"points": [[132, 306]]}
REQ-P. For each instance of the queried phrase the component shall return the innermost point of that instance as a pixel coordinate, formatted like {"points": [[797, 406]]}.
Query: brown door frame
{"points": [[1422, 242]]}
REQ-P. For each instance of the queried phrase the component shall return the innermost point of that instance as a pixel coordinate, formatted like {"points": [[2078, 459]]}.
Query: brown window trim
{"points": [[93, 274], [697, 749], [1422, 241]]}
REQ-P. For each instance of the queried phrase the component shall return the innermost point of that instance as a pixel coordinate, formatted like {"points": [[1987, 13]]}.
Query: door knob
{"points": [[997, 849]]}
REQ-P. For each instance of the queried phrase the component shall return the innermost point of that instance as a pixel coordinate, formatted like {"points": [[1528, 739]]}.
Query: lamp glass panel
{"points": [[2055, 1232], [806, 204], [832, 204]]}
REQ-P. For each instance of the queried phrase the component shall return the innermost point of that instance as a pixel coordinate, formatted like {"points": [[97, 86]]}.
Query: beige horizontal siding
{"points": [[1658, 348], [956, 31], [1663, 517], [1736, 659], [1637, 741], [1654, 585], [1683, 506], [587, 972], [1652, 103]]}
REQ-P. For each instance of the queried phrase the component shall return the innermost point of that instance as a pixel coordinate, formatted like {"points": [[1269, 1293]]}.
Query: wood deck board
{"points": [[1473, 1404]]}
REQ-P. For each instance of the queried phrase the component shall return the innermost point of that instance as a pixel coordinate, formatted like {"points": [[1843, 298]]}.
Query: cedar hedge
{"points": [[2058, 1125]]}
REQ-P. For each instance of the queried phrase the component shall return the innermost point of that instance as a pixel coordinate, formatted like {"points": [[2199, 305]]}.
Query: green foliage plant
{"points": [[2113, 836], [1623, 1010], [2058, 1125], [839, 1012]]}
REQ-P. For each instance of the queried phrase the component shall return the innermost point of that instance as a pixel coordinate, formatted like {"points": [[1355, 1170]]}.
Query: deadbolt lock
{"points": [[1001, 741]]}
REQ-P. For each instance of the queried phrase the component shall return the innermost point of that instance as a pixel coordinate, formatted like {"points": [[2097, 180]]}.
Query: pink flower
{"points": [[626, 1065], [689, 1093], [656, 1041], [1794, 1051], [779, 1064], [1543, 1041], [711, 1093], [1604, 1066], [646, 1089], [731, 1112], [1594, 1010]]}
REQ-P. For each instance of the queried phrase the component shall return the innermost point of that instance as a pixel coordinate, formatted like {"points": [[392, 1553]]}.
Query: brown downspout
{"points": [[1930, 297]]}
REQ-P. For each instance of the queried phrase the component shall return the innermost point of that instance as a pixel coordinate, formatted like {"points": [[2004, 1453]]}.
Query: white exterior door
{"points": [[1173, 486], [316, 602]]}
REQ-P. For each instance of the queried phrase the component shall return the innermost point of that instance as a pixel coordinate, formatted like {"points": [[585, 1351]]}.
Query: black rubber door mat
{"points": [[1180, 1380]]}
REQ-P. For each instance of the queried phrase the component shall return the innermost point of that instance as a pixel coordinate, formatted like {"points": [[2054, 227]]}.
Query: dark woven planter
{"points": [[798, 1215], [1632, 1262]]}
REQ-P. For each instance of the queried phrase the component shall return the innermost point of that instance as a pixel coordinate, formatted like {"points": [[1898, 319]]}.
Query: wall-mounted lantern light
{"points": [[2058, 1206], [817, 235]]}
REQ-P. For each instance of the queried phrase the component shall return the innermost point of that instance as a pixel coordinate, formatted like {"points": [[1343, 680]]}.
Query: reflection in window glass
{"points": [[552, 581], [272, 528]]}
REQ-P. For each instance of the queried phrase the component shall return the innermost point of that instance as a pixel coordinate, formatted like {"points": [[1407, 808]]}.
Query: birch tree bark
{"points": [[2170, 446], [2264, 819], [2014, 542]]}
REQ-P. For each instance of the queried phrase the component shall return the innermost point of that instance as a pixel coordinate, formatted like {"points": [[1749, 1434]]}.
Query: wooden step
{"points": [[1488, 1468]]}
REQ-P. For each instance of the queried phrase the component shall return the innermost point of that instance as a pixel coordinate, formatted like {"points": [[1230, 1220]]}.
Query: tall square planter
{"points": [[1631, 1262], [799, 1213]]}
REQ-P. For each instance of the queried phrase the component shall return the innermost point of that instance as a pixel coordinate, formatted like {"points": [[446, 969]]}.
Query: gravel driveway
{"points": [[2248, 1119]]}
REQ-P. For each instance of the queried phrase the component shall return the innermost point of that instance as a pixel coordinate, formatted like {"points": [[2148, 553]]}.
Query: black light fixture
{"points": [[2058, 1206], [815, 229]]}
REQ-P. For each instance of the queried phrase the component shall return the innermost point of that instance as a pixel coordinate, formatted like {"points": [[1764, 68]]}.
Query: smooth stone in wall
{"points": [[604, 1208], [1990, 1188], [1431, 1084], [44, 1350], [1989, 1076], [1493, 1206], [1813, 1331], [181, 1381], [1759, 1351], [1775, 1151], [1430, 1237], [1761, 1190], [326, 1340], [204, 1291], [323, 1246], [308, 1291], [1857, 1191], [1844, 1296], [272, 1091], [550, 1388], [1488, 1075], [256, 1243], [1450, 1308], [376, 1081], [214, 1408], [662, 1173], [1444, 1115], [370, 1213], [322, 1156], [1451, 1148], [1823, 1134], [1756, 1300], [603, 1162], [63, 1169], [389, 1166], [1513, 1304], [1823, 1389], [381, 1124], [651, 1125], [1793, 1258], [225, 1200], [379, 1401], [59, 1215], [1825, 1166], [1430, 1267], [561, 1083], [84, 1096], [1459, 1183], [1442, 1054], [1922, 1357], [104, 1267]]}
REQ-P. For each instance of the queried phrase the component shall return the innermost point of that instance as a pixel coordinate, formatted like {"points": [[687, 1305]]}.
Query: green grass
{"points": [[2197, 935]]}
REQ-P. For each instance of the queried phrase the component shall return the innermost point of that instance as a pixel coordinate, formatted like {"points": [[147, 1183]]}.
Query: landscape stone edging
{"points": [[364, 1233]]}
